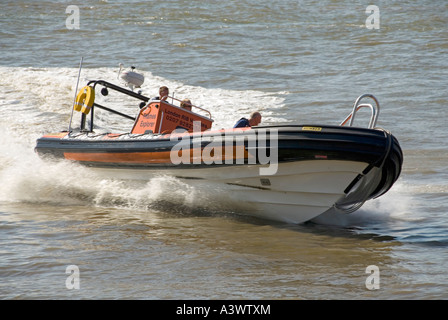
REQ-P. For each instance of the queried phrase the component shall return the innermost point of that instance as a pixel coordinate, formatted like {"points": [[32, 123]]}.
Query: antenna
{"points": [[119, 71], [74, 99]]}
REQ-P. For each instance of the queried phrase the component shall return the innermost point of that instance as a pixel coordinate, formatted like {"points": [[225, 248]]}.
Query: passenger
{"points": [[163, 94], [254, 120], [186, 104]]}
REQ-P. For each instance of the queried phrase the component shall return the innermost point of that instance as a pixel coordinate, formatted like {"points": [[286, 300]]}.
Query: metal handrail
{"points": [[375, 111], [205, 110]]}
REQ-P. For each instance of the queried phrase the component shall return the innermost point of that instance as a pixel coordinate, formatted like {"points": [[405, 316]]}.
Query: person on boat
{"points": [[186, 104], [254, 120], [163, 94]]}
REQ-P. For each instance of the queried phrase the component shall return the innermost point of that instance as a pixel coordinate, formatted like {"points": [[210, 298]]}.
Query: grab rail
{"points": [[375, 111], [205, 110]]}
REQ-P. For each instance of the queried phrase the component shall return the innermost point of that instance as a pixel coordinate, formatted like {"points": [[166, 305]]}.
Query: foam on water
{"points": [[397, 204], [26, 178]]}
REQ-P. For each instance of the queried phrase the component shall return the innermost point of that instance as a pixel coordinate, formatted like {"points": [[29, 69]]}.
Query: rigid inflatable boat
{"points": [[290, 173]]}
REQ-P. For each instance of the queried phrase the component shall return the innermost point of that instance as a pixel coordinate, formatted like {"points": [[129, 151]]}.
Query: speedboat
{"points": [[288, 173]]}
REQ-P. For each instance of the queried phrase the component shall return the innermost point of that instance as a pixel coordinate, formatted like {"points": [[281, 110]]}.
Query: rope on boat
{"points": [[368, 191]]}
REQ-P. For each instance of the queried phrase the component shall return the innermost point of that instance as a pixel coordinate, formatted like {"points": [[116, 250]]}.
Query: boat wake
{"points": [[26, 178], [396, 205]]}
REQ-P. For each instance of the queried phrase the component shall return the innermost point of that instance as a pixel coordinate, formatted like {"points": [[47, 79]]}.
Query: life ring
{"points": [[84, 99]]}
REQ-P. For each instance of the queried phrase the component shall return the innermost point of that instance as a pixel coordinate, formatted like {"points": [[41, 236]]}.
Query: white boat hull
{"points": [[298, 192]]}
